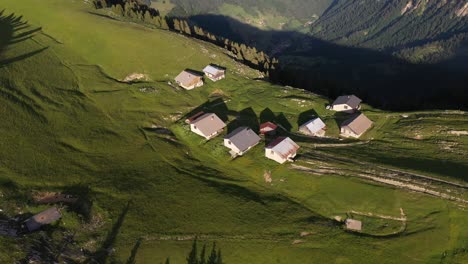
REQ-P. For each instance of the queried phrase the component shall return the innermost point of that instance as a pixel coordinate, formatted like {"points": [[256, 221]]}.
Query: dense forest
{"points": [[300, 9]]}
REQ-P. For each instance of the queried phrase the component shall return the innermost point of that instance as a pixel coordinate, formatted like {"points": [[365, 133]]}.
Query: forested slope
{"points": [[397, 25]]}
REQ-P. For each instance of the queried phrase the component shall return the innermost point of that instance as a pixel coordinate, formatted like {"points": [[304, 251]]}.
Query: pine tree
{"points": [[186, 28], [192, 257], [220, 258], [128, 9], [164, 24], [266, 66], [105, 3], [227, 45], [119, 10], [213, 256], [147, 17], [203, 255], [177, 25], [156, 20], [167, 261]]}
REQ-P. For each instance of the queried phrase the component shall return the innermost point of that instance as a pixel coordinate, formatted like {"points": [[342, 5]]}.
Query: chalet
{"points": [[281, 150], [355, 126], [214, 73], [268, 128], [315, 127], [354, 225], [208, 125], [189, 80], [43, 218], [346, 103], [241, 140]]}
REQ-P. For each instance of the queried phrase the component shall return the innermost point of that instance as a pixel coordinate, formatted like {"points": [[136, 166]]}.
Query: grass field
{"points": [[70, 125]]}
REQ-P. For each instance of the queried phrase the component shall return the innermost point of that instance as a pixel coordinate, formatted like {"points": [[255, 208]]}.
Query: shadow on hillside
{"points": [[103, 253], [330, 69], [134, 252], [14, 30], [246, 117], [217, 106], [84, 205], [280, 119], [306, 116]]}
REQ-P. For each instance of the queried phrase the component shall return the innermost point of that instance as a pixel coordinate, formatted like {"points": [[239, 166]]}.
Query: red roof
{"points": [[195, 116], [276, 142], [269, 125]]}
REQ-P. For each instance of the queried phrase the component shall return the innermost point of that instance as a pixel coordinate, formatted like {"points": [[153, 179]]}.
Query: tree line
{"points": [[214, 257], [135, 11]]}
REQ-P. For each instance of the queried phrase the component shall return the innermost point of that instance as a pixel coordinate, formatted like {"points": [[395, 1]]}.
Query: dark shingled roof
{"points": [[351, 100], [243, 138]]}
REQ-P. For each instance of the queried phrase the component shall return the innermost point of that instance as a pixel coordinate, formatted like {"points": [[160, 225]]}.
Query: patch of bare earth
{"points": [[458, 133], [136, 77]]}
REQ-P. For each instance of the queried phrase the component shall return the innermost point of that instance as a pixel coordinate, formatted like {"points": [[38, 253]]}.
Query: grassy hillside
{"points": [[70, 125]]}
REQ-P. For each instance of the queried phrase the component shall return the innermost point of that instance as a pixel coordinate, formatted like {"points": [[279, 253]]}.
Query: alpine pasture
{"points": [[70, 124]]}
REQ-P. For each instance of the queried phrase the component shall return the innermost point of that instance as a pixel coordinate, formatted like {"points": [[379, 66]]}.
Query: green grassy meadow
{"points": [[69, 125]]}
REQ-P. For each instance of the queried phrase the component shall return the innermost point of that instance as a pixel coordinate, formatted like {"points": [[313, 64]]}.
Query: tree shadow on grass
{"points": [[280, 119], [84, 204], [217, 106], [102, 254], [134, 252], [13, 30], [246, 117], [306, 116]]}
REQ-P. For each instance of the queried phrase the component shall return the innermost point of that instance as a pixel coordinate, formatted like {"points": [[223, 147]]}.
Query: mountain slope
{"points": [[69, 125], [393, 25]]}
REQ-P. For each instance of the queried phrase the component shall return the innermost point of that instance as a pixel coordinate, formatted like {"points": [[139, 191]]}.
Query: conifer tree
{"points": [[219, 257], [177, 25], [119, 10], [156, 20], [147, 17], [203, 255], [186, 27], [213, 255], [192, 257], [164, 24], [167, 261], [128, 9]]}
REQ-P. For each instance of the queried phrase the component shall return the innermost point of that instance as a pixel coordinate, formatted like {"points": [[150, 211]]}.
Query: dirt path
{"points": [[385, 179], [390, 172], [402, 218]]}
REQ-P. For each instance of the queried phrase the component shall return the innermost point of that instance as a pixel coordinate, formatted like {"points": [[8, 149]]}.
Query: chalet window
{"points": [[194, 127], [345, 107], [229, 142], [272, 152]]}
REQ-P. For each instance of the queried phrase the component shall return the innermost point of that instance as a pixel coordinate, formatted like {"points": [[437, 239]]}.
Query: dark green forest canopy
{"points": [[300, 9]]}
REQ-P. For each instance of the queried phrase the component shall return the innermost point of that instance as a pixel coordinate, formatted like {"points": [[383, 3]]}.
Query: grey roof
{"points": [[353, 224], [351, 100], [43, 218], [186, 77], [358, 123], [314, 125], [243, 138], [212, 70], [284, 146], [209, 123]]}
